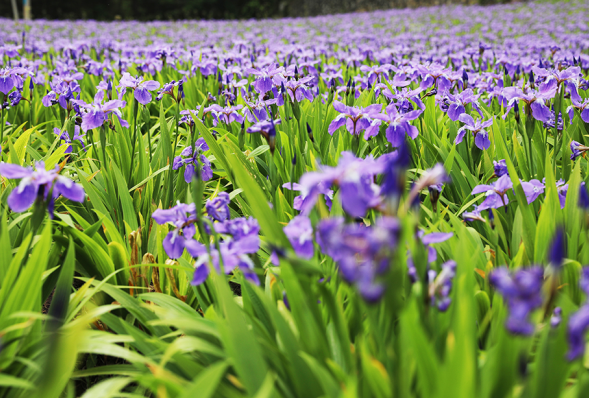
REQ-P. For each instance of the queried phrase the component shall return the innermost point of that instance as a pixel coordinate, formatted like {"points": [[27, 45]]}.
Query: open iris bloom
{"points": [[140, 87], [355, 119], [496, 193], [182, 217], [534, 99], [190, 160], [266, 77], [398, 124], [38, 183], [456, 103], [94, 115], [481, 136]]}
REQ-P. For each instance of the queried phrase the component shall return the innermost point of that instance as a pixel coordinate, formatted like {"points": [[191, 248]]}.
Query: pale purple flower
{"points": [[355, 119], [141, 88]]}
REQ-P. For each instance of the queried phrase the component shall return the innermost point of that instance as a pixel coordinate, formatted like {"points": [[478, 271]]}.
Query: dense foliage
{"points": [[386, 204]]}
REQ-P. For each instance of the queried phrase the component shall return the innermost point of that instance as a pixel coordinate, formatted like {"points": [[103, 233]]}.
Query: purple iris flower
{"points": [[500, 168], [430, 239], [96, 113], [477, 128], [362, 253], [257, 111], [376, 71], [355, 178], [300, 234], [141, 88], [434, 75], [37, 183], [218, 208], [355, 119], [456, 103], [240, 238], [399, 124], [441, 285], [64, 135], [560, 76], [226, 115], [562, 190], [188, 159], [579, 322], [264, 127], [535, 100], [474, 215], [523, 292], [9, 78], [577, 150], [302, 204], [583, 200], [496, 193], [266, 77], [532, 189], [582, 106], [182, 217]]}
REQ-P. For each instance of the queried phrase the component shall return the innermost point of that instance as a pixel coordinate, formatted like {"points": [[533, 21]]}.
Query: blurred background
{"points": [[207, 9]]}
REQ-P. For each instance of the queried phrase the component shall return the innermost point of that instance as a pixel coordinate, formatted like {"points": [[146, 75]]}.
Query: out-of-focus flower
{"points": [[522, 290], [300, 234], [218, 208], [38, 183], [441, 285]]}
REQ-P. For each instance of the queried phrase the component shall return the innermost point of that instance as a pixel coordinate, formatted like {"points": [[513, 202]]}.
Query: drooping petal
{"points": [[69, 189], [174, 244], [142, 95], [22, 197]]}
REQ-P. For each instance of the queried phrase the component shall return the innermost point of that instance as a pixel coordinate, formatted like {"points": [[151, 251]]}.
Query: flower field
{"points": [[384, 204]]}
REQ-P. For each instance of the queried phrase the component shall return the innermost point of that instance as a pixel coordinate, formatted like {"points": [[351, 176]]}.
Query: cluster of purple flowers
{"points": [[194, 160], [363, 254], [238, 238]]}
